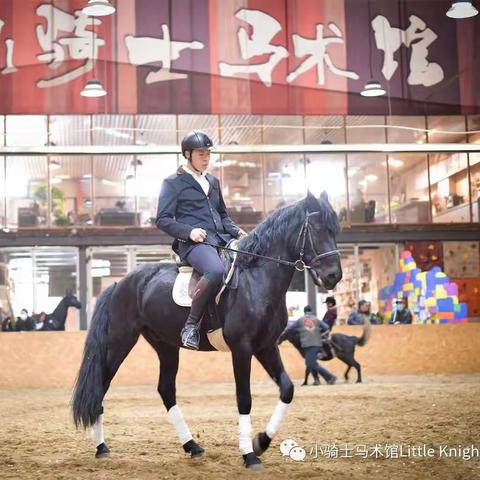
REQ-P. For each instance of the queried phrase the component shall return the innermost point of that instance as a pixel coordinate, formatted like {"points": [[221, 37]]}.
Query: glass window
{"points": [[283, 129], [284, 180], [148, 172], [367, 187], [26, 130], [320, 129], [443, 129], [71, 190], [474, 158], [327, 173], [205, 123], [26, 191], [156, 130], [154, 254], [240, 129], [242, 188], [449, 188], [405, 129], [114, 190], [365, 129], [70, 130], [409, 201], [112, 129], [107, 266], [3, 205], [40, 278]]}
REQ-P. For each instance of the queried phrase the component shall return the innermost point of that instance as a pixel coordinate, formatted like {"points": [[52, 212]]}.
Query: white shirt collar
{"points": [[195, 174]]}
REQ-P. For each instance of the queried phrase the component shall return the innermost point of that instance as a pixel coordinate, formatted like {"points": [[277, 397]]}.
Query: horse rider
{"points": [[191, 209]]}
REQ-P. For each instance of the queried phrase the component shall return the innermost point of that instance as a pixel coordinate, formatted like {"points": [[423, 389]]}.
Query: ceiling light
{"points": [[372, 89], [371, 178], [461, 9], [93, 88], [136, 162], [393, 162], [54, 165], [98, 8]]}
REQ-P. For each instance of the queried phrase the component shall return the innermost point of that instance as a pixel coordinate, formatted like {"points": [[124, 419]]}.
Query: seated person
{"points": [[401, 314], [362, 314], [24, 321]]}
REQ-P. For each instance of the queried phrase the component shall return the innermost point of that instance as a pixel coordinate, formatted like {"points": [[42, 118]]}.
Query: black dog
{"points": [[338, 345]]}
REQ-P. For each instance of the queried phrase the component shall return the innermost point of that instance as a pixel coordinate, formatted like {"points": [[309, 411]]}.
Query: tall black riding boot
{"points": [[191, 332]]}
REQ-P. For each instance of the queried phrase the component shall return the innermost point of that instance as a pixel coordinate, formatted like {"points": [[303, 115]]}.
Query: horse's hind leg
{"points": [[272, 363], [120, 346], [168, 356]]}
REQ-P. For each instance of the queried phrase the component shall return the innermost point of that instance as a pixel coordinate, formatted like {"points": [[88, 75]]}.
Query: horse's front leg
{"points": [[272, 363], [242, 362]]}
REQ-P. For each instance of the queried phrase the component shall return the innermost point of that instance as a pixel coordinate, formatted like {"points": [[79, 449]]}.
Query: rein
{"points": [[298, 264]]}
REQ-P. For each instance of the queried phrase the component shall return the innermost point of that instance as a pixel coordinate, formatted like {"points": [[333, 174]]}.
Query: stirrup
{"points": [[188, 335]]}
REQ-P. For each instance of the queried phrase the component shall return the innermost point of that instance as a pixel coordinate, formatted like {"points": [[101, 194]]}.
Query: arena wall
{"points": [[52, 359]]}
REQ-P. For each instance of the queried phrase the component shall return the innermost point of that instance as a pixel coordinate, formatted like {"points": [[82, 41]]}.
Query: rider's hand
{"points": [[241, 233], [198, 235]]}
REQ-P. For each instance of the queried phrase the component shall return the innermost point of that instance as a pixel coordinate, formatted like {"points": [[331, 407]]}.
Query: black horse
{"points": [[338, 345], [56, 319], [254, 315]]}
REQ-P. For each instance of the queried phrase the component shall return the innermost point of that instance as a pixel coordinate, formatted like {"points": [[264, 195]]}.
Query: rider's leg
{"points": [[205, 260]]}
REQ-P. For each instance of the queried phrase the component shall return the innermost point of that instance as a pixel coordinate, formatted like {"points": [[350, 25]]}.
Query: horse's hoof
{"points": [[102, 451], [252, 462], [260, 443], [194, 449]]}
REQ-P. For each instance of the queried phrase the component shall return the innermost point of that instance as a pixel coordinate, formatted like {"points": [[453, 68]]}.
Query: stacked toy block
{"points": [[432, 298]]}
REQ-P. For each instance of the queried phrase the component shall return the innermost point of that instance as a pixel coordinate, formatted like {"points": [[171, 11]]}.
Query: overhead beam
{"points": [[238, 149]]}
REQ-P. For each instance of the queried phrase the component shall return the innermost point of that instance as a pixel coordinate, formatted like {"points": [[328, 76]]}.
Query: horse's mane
{"points": [[279, 224]]}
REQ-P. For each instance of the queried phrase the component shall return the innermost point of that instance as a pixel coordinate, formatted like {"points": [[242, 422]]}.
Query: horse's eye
{"points": [[318, 227]]}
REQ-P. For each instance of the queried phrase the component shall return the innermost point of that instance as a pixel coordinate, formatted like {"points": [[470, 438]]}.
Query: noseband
{"points": [[305, 233]]}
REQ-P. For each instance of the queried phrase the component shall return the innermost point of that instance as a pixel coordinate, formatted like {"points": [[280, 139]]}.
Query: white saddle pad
{"points": [[180, 287]]}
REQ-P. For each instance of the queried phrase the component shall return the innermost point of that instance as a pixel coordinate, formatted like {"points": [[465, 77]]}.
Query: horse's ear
{"points": [[324, 196], [311, 202]]}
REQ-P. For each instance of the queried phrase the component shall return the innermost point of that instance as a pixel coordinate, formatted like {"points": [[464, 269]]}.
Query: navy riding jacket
{"points": [[183, 206]]}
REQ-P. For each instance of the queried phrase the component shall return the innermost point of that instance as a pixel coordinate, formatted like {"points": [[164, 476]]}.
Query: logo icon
{"points": [[290, 448]]}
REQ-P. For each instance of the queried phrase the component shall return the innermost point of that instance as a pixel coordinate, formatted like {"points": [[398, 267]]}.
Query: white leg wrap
{"points": [[245, 434], [97, 431], [277, 418], [181, 427]]}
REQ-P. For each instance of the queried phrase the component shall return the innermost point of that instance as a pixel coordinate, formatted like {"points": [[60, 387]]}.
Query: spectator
{"points": [[41, 319], [330, 316], [24, 321], [311, 331], [401, 314], [362, 314]]}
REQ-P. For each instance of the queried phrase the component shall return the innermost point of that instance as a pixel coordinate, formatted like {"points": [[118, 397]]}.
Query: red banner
{"points": [[238, 56]]}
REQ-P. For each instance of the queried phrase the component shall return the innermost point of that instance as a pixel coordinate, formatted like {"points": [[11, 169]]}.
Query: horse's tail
{"points": [[361, 341], [89, 387]]}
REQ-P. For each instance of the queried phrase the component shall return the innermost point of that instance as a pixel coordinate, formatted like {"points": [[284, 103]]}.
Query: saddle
{"points": [[184, 287]]}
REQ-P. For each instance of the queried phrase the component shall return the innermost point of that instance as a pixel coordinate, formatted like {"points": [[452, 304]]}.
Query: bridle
{"points": [[305, 233], [300, 265]]}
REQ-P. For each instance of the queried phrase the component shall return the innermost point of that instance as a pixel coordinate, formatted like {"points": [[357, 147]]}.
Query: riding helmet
{"points": [[196, 140]]}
